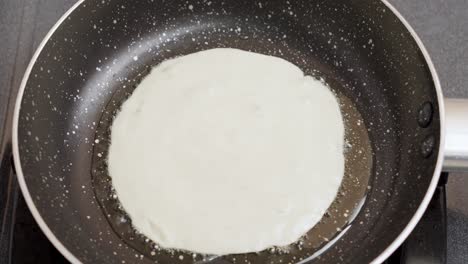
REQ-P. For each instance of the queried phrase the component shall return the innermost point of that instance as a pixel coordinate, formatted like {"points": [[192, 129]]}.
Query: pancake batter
{"points": [[226, 151]]}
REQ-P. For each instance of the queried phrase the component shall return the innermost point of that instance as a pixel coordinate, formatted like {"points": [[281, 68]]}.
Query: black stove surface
{"points": [[426, 244]]}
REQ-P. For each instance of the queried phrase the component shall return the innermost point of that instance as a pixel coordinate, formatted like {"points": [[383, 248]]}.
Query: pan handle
{"points": [[456, 141]]}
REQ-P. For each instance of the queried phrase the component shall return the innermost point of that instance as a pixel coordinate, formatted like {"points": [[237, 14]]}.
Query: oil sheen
{"points": [[227, 151]]}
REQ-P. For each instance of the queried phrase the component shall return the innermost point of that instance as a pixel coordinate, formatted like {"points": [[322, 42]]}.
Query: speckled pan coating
{"points": [[359, 47]]}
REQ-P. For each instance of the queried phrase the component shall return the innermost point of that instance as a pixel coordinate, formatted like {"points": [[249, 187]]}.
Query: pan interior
{"points": [[102, 50]]}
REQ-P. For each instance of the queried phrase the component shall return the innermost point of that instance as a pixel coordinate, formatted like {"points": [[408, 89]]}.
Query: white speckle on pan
{"points": [[135, 58], [190, 7], [114, 21], [96, 141], [98, 69]]}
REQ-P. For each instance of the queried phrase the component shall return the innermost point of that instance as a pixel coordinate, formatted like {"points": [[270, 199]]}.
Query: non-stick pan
{"points": [[98, 52]]}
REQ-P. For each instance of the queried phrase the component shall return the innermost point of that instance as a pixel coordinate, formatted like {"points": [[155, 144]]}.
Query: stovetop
{"points": [[443, 27]]}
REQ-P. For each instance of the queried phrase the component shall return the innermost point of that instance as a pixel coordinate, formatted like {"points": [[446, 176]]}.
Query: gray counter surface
{"points": [[441, 24]]}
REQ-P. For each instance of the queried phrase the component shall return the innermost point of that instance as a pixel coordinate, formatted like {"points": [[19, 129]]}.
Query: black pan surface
{"points": [[100, 52]]}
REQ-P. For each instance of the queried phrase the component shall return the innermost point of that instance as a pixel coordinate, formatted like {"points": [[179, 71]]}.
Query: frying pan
{"points": [[94, 57]]}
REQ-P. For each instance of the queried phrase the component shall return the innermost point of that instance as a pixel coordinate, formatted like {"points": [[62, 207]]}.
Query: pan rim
{"points": [[440, 157], [379, 259], [16, 156]]}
